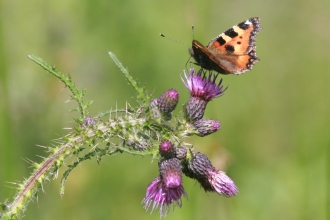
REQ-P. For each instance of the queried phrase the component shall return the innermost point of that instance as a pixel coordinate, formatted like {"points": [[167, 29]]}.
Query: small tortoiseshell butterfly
{"points": [[233, 51]]}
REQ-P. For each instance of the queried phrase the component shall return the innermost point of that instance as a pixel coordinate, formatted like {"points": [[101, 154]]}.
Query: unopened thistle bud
{"points": [[168, 101], [206, 127], [166, 149], [181, 152]]}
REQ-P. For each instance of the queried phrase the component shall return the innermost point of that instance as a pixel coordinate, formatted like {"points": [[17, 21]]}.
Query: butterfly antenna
{"points": [[162, 35], [193, 31]]}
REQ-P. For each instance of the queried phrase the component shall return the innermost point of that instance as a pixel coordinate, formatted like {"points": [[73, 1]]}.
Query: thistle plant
{"points": [[150, 129]]}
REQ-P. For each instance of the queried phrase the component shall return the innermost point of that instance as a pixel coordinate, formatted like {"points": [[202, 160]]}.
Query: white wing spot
{"points": [[248, 22]]}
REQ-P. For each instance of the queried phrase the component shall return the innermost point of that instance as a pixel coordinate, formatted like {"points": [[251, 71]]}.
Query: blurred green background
{"points": [[275, 119]]}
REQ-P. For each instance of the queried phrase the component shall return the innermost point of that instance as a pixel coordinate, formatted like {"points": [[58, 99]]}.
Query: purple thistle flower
{"points": [[211, 179], [166, 188], [201, 86], [202, 90], [171, 172], [221, 183]]}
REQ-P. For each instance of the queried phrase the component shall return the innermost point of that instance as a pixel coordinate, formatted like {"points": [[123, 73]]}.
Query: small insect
{"points": [[232, 52]]}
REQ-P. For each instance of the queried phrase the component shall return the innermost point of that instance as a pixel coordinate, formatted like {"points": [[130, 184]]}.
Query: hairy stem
{"points": [[49, 167]]}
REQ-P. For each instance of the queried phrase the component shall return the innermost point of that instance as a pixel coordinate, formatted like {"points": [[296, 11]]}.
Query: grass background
{"points": [[274, 141]]}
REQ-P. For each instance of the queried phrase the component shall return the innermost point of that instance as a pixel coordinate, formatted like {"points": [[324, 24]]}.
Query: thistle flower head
{"points": [[202, 86], [211, 179], [166, 188], [171, 172], [221, 183]]}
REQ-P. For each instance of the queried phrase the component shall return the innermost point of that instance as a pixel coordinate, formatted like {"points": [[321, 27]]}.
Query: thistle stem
{"points": [[50, 165]]}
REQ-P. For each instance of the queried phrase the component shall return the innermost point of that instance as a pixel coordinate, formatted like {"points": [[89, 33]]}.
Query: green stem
{"points": [[44, 172], [49, 167]]}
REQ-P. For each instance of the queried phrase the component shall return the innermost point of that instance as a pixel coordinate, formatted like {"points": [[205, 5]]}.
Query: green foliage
{"points": [[122, 133]]}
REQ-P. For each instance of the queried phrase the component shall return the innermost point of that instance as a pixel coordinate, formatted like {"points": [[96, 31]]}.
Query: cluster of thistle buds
{"points": [[167, 188], [149, 132]]}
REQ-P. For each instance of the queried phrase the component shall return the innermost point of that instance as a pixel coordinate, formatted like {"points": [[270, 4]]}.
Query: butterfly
{"points": [[232, 52]]}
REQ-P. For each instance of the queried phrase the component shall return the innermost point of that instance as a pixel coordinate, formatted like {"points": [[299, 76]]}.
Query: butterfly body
{"points": [[232, 52]]}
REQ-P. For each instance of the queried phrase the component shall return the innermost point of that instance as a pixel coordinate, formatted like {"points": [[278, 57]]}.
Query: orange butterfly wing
{"points": [[233, 51]]}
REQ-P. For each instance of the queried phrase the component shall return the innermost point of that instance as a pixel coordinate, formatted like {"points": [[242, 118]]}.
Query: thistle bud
{"points": [[206, 127], [166, 149], [168, 101], [212, 180]]}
